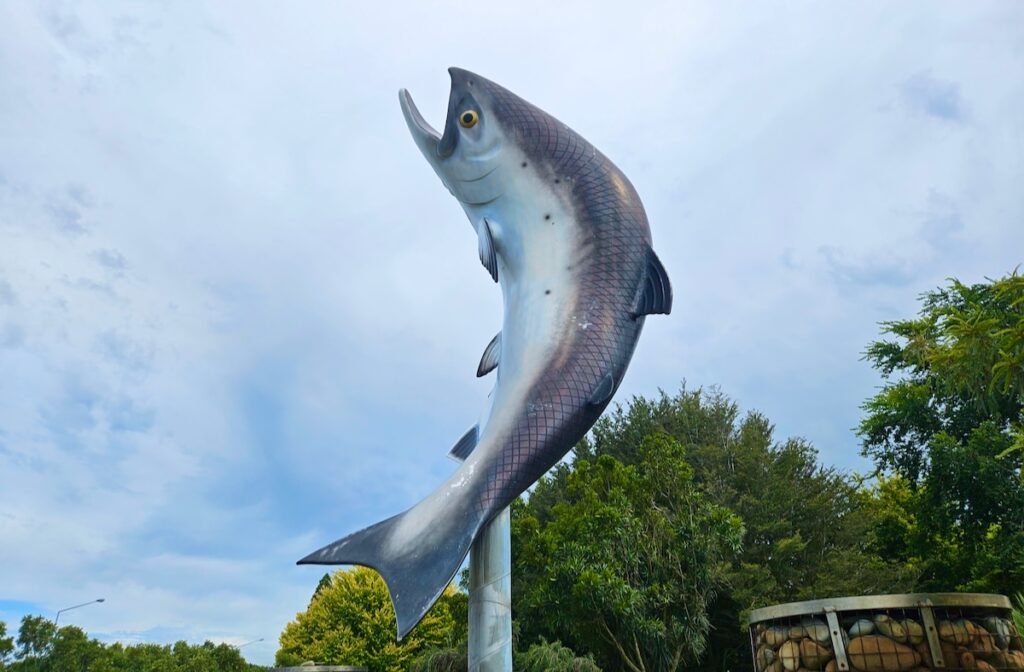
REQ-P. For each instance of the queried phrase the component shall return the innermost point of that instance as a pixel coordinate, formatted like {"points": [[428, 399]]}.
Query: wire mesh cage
{"points": [[888, 633]]}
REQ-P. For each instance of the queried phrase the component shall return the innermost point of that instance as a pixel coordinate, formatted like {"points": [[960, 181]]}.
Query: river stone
{"points": [[953, 632], [926, 653], [967, 660], [1015, 639], [950, 654], [816, 630], [983, 646], [915, 631], [796, 632], [984, 667], [1008, 660], [862, 627], [789, 654], [874, 653], [775, 636], [973, 629], [776, 666], [999, 629], [891, 628], [830, 666], [814, 655], [764, 657]]}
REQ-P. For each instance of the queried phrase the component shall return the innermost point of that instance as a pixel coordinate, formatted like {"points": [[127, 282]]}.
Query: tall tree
{"points": [[948, 423], [351, 622], [808, 530], [6, 645], [622, 560], [35, 636], [45, 648]]}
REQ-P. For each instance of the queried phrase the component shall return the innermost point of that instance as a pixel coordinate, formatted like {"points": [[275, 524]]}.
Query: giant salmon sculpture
{"points": [[564, 233]]}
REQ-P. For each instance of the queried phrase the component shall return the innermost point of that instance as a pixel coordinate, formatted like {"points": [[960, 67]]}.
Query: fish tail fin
{"points": [[417, 553]]}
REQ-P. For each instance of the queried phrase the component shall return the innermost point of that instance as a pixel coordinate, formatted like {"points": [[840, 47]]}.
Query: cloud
{"points": [[7, 296], [874, 270], [933, 97], [903, 258], [68, 208], [111, 259]]}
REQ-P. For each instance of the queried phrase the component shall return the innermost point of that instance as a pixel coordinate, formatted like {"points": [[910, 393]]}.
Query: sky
{"points": [[240, 316]]}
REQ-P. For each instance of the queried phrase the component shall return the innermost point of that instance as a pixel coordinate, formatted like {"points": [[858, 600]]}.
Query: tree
{"points": [[325, 583], [352, 622], [809, 530], [73, 651], [547, 656], [6, 645], [622, 560], [948, 423], [35, 637], [45, 648]]}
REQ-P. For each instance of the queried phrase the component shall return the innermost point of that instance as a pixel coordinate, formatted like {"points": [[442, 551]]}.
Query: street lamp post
{"points": [[83, 604], [248, 643]]}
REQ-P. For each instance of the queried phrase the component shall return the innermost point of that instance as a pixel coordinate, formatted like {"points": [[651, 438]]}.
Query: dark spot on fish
{"points": [[524, 164], [557, 180], [547, 291], [547, 216]]}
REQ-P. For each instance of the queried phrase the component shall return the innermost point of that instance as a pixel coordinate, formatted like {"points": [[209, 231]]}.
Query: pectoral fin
{"points": [[485, 245], [603, 391], [655, 292], [466, 444], [489, 360]]}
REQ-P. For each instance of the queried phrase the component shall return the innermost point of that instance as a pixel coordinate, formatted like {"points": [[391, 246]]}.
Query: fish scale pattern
{"points": [[616, 237]]}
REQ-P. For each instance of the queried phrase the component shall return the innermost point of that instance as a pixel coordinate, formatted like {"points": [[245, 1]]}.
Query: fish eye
{"points": [[468, 119]]}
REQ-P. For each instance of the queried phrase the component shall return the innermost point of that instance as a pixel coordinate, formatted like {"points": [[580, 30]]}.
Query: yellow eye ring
{"points": [[468, 119]]}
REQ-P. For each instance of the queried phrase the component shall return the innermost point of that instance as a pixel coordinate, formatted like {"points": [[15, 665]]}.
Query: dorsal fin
{"points": [[465, 445], [489, 360], [655, 292], [485, 246]]}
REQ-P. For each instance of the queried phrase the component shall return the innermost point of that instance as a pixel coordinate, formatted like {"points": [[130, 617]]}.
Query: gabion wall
{"points": [[888, 633]]}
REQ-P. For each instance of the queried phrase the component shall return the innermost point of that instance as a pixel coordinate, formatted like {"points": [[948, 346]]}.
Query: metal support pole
{"points": [[490, 598]]}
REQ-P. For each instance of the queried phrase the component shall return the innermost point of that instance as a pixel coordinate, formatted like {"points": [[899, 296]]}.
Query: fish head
{"points": [[469, 155]]}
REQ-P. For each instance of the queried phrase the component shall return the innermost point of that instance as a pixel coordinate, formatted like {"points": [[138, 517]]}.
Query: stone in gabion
{"points": [[816, 630], [1000, 629], [814, 655], [876, 653], [789, 654], [775, 636], [915, 631], [862, 627], [891, 628], [954, 632]]}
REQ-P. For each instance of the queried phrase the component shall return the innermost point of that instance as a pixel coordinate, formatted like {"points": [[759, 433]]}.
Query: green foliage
{"points": [[622, 559], [547, 656], [1018, 612], [6, 645], [442, 660], [808, 531], [948, 425], [352, 622], [35, 636], [325, 582], [44, 648]]}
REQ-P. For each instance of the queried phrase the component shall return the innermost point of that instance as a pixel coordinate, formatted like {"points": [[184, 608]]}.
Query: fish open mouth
{"points": [[423, 133]]}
